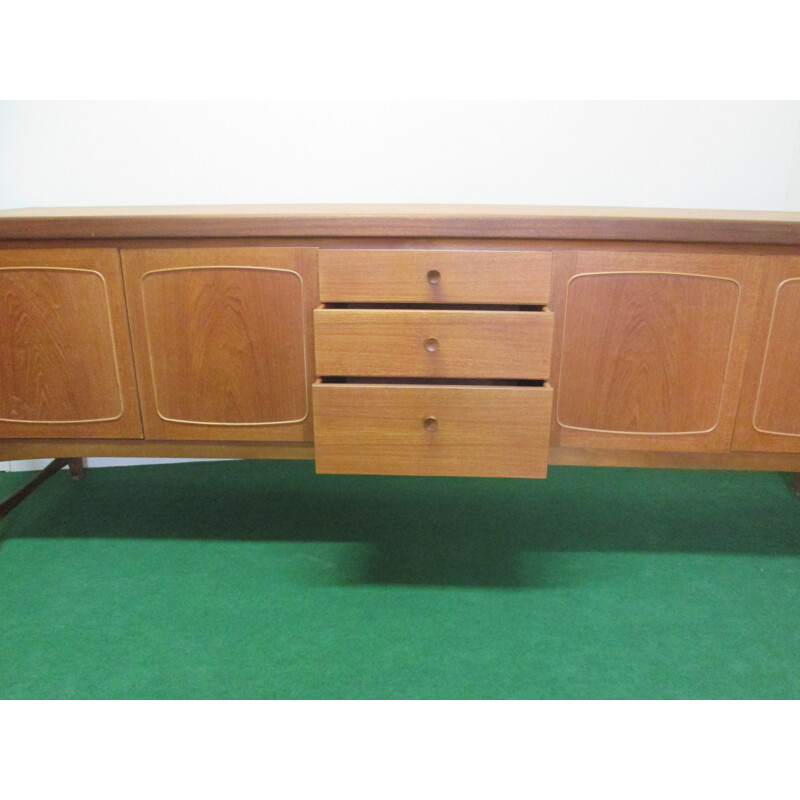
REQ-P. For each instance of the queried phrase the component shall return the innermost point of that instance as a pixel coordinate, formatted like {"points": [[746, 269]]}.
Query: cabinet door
{"points": [[222, 341], [65, 358], [769, 413], [650, 348]]}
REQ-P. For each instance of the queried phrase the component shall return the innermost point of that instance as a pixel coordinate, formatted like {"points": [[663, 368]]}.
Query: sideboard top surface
{"points": [[469, 221]]}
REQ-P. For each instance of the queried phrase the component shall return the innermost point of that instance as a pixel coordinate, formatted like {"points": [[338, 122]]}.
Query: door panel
{"points": [[222, 341], [650, 348], [65, 356], [769, 414]]}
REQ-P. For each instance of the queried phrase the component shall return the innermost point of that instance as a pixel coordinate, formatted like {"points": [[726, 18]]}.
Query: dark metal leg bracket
{"points": [[75, 468]]}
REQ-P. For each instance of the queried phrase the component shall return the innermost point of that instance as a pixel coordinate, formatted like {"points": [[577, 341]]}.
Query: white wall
{"points": [[723, 155]]}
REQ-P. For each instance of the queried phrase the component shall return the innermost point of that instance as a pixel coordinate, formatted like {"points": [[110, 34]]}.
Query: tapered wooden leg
{"points": [[15, 499], [796, 484], [76, 468]]}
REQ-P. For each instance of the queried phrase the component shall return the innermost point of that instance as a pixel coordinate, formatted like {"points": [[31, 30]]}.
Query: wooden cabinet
{"points": [[650, 348], [769, 412], [222, 341], [430, 341], [65, 360]]}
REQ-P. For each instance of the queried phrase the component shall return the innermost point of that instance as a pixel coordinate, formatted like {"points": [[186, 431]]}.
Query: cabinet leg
{"points": [[796, 484], [75, 467]]}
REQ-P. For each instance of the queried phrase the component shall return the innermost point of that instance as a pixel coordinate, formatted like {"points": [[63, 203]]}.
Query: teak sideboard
{"points": [[403, 340]]}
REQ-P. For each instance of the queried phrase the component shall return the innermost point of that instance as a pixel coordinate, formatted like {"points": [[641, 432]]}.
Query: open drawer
{"points": [[454, 428], [436, 343]]}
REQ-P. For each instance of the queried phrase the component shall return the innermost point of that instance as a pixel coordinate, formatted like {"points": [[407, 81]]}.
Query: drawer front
{"points": [[433, 344], [395, 429], [434, 276]]}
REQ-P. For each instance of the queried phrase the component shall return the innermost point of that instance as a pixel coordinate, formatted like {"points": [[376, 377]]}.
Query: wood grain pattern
{"points": [[218, 357], [465, 242], [651, 349], [778, 403], [481, 430], [65, 358], [502, 222], [51, 372], [632, 357], [11, 449], [462, 276], [769, 412], [469, 344], [222, 341], [655, 459]]}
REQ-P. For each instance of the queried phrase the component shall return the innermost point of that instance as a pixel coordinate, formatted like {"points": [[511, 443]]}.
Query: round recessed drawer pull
{"points": [[434, 276], [432, 344], [430, 424]]}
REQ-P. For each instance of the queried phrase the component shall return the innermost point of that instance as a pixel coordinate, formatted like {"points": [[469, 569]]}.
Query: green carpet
{"points": [[264, 580]]}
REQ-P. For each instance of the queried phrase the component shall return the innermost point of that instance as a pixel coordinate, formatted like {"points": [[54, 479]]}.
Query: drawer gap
{"points": [[333, 379], [437, 306]]}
